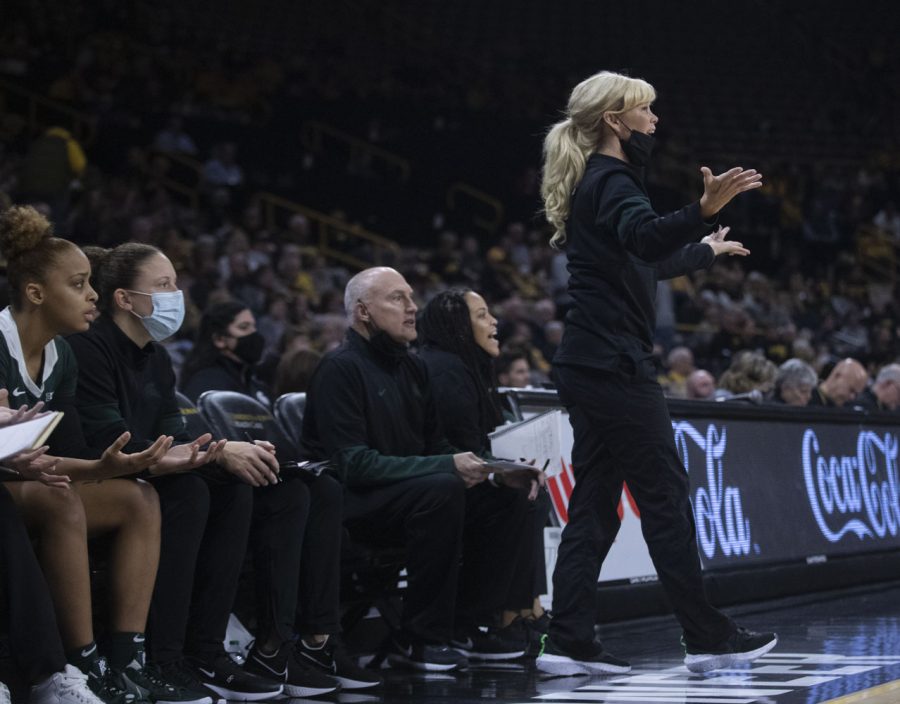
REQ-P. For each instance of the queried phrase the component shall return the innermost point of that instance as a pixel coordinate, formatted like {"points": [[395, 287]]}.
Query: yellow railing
{"points": [[460, 192], [318, 137], [45, 112], [336, 238], [180, 174]]}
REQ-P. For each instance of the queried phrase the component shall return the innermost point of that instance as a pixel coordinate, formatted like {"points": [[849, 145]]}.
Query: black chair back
{"points": [[194, 423], [289, 410], [235, 416]]}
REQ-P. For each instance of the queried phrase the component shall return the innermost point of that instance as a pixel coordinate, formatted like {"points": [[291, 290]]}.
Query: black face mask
{"points": [[385, 346], [249, 348], [638, 147]]}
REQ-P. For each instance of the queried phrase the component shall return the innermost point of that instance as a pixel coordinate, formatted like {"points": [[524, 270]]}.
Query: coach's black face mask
{"points": [[638, 147]]}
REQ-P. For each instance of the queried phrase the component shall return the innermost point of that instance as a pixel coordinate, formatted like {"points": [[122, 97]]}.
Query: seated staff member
{"points": [[225, 350], [126, 383], [459, 344], [225, 354], [371, 412], [51, 295]]}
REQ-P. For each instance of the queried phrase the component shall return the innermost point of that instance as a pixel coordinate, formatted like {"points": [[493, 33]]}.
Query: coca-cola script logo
{"points": [[717, 508], [860, 489]]}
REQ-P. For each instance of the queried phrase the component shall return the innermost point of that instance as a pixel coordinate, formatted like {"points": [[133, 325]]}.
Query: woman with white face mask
{"points": [[126, 382]]}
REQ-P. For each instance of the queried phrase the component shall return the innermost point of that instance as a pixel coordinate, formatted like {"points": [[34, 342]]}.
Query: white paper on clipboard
{"points": [[537, 438]]}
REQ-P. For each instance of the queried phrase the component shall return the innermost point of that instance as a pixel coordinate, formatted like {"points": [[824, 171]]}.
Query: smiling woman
{"points": [[459, 337]]}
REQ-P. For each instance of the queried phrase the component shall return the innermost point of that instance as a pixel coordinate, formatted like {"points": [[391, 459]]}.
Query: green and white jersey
{"points": [[58, 377]]}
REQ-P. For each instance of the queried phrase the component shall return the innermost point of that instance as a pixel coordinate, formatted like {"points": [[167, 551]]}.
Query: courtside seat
{"points": [[289, 410], [235, 416]]}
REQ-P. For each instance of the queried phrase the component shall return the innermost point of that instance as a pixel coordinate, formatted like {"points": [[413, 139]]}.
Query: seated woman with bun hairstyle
{"points": [[51, 295]]}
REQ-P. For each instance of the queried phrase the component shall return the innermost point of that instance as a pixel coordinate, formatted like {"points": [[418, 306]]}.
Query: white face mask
{"points": [[167, 315]]}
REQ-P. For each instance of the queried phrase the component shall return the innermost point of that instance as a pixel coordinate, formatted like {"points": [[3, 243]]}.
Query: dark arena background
{"points": [[274, 148]]}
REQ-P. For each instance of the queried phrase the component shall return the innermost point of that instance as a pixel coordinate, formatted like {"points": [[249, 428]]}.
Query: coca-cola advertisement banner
{"points": [[777, 491], [765, 490]]}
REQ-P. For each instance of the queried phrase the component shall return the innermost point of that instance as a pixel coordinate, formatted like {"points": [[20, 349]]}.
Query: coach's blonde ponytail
{"points": [[569, 143]]}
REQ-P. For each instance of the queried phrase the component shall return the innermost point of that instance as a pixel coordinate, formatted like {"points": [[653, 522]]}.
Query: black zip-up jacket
{"points": [[618, 248], [374, 417], [124, 387]]}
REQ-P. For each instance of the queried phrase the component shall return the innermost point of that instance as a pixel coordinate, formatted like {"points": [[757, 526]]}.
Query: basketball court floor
{"points": [[839, 647]]}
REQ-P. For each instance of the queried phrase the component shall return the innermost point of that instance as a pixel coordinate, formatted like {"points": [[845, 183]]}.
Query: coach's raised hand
{"points": [[719, 190]]}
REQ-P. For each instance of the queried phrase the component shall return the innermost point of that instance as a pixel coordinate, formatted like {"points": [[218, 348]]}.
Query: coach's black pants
{"points": [[33, 634], [622, 432]]}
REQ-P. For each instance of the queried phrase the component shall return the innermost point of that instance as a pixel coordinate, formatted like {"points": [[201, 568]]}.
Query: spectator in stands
{"points": [[700, 385], [794, 383], [846, 381], [225, 351], [50, 296], [680, 363], [54, 162], [222, 169], [884, 394], [459, 341], [888, 219], [595, 199], [172, 138], [370, 410], [512, 368], [126, 383], [295, 371], [35, 645], [750, 372]]}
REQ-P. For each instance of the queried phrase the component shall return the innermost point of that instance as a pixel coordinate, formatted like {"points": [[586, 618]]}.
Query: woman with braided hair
{"points": [[459, 344]]}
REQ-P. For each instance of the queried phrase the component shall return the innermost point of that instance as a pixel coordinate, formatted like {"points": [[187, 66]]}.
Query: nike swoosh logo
{"points": [[138, 638], [282, 673], [332, 667], [93, 648], [467, 643], [18, 392], [209, 674]]}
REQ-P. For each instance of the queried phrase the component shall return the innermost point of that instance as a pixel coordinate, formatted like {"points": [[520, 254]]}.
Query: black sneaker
{"points": [[284, 666], [180, 674], [331, 658], [155, 687], [229, 680], [110, 686], [741, 646], [590, 661], [491, 644], [536, 629], [425, 656]]}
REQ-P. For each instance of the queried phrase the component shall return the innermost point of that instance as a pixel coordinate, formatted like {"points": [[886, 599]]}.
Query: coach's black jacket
{"points": [[374, 417], [618, 248]]}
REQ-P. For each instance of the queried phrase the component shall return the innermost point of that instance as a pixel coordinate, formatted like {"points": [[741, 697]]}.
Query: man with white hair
{"points": [[370, 411], [884, 395]]}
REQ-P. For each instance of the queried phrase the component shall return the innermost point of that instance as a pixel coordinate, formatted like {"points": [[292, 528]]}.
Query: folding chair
{"points": [[289, 410], [235, 416]]}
